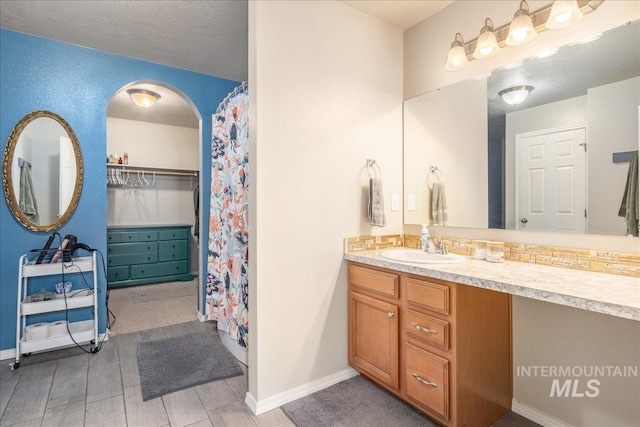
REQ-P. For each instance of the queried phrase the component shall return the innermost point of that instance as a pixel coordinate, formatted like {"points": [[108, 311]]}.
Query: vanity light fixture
{"points": [[515, 95], [143, 98], [563, 13], [457, 57], [487, 44], [521, 29]]}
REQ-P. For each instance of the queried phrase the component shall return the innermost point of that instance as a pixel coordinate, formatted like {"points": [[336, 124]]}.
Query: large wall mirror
{"points": [[42, 171], [557, 161]]}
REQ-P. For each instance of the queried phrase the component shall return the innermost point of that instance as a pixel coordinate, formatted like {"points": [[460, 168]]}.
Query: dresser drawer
{"points": [[172, 250], [116, 274], [427, 329], [155, 270], [431, 296], [128, 259], [373, 280], [132, 248], [173, 234], [427, 379]]}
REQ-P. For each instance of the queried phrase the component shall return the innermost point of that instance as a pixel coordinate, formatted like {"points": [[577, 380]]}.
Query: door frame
{"points": [[518, 141]]}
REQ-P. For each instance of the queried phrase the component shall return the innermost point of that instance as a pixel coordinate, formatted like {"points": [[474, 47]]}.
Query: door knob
{"points": [[524, 220], [389, 315]]}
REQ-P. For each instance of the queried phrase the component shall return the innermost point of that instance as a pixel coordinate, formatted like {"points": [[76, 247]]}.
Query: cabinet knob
{"points": [[423, 381], [390, 315], [423, 329]]}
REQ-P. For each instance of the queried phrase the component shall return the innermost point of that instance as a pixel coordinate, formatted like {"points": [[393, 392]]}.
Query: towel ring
{"points": [[371, 169], [435, 175]]}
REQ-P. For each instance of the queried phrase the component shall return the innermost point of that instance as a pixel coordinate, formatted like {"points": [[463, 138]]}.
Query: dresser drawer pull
{"points": [[423, 381], [389, 315], [423, 329]]}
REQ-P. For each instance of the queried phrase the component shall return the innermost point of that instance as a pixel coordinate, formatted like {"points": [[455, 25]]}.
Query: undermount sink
{"points": [[418, 256]]}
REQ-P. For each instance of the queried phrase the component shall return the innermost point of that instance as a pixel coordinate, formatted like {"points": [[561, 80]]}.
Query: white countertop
{"points": [[603, 293]]}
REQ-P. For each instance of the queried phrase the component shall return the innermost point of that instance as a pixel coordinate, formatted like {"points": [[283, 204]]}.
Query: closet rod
{"points": [[157, 171]]}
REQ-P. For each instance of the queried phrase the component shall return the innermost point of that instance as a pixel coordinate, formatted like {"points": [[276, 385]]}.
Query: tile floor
{"points": [[71, 388]]}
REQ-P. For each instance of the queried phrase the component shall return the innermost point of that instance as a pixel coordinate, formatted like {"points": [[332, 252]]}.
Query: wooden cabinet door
{"points": [[373, 338]]}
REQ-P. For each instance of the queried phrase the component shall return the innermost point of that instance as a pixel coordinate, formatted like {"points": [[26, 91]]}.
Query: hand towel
{"points": [[28, 204], [629, 206], [375, 211], [439, 213]]}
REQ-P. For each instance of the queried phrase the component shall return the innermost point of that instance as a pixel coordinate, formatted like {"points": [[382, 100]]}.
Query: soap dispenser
{"points": [[424, 238]]}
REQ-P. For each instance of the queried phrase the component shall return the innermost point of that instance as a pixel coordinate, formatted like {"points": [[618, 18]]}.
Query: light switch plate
{"points": [[411, 202], [395, 202]]}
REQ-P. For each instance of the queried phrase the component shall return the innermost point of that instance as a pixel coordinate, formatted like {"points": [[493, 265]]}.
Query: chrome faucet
{"points": [[440, 247]]}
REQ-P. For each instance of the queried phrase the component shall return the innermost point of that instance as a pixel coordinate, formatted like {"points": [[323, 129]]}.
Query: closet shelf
{"points": [[156, 170]]}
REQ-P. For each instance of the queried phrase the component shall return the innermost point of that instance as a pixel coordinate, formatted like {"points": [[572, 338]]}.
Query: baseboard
{"points": [[296, 393], [201, 317], [10, 353], [535, 415]]}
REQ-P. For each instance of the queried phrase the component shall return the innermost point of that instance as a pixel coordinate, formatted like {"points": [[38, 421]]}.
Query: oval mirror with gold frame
{"points": [[42, 171]]}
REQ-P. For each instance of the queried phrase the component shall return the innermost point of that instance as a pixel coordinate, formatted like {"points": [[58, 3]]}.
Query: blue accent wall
{"points": [[77, 84]]}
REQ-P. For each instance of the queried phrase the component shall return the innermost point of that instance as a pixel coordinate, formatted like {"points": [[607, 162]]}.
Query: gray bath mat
{"points": [[353, 403], [176, 363]]}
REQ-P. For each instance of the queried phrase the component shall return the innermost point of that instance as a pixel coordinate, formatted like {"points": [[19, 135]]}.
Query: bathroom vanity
{"points": [[439, 336], [444, 348]]}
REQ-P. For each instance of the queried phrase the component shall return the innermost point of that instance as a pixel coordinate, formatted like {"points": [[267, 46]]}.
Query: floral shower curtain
{"points": [[228, 245]]}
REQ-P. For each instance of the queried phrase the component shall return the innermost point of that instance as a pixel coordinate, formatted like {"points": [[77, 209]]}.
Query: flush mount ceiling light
{"points": [[563, 13], [143, 98], [521, 30], [457, 57], [487, 44], [515, 95]]}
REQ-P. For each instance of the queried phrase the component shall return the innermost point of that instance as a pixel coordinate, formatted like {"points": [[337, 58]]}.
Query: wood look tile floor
{"points": [[71, 388]]}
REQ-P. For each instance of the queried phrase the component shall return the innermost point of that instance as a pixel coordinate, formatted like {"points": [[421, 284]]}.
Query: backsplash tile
{"points": [[579, 259]]}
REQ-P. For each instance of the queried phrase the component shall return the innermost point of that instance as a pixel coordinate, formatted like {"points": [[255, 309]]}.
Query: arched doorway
{"points": [[153, 178]]}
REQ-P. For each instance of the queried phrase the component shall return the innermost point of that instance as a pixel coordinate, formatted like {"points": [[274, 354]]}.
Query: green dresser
{"points": [[141, 255]]}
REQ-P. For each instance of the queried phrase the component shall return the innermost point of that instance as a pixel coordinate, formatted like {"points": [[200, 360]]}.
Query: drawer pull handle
{"points": [[423, 329], [423, 381], [390, 315]]}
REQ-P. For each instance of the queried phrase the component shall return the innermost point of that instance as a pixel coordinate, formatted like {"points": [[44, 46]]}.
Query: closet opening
{"points": [[153, 208]]}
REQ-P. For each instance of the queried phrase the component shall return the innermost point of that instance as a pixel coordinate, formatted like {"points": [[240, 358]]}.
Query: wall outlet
{"points": [[411, 202]]}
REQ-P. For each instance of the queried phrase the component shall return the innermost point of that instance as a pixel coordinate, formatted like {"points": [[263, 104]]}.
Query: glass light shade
{"points": [[563, 13], [457, 59], [143, 98], [486, 44], [515, 95], [521, 30]]}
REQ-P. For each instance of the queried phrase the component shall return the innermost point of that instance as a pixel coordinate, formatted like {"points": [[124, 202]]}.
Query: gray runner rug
{"points": [[353, 403], [173, 364]]}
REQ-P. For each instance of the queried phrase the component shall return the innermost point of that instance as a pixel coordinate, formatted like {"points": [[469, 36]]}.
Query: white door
{"points": [[550, 169], [67, 174]]}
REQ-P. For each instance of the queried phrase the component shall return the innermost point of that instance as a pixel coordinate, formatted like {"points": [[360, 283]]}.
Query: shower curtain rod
{"points": [[243, 87]]}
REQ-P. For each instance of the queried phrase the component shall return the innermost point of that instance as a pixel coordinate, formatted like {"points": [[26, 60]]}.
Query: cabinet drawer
{"points": [[428, 295], [115, 274], [427, 378], [132, 248], [173, 234], [147, 236], [427, 329], [374, 280], [155, 270], [128, 259], [113, 237], [172, 250]]}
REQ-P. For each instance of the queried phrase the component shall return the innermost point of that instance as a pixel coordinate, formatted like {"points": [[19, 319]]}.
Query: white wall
{"points": [[326, 95], [613, 127], [440, 131], [561, 114], [170, 201]]}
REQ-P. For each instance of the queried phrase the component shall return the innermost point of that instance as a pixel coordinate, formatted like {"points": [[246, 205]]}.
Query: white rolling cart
{"points": [[82, 332]]}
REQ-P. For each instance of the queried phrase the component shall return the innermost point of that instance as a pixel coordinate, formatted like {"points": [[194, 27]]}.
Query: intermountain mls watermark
{"points": [[576, 381]]}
